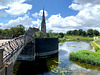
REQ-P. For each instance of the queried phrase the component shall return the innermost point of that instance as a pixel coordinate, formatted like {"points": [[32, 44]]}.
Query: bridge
{"points": [[10, 50], [13, 49]]}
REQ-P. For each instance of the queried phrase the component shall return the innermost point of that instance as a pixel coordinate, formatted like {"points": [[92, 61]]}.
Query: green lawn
{"points": [[81, 38]]}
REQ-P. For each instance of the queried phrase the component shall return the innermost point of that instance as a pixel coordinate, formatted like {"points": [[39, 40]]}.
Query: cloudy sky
{"points": [[61, 15]]}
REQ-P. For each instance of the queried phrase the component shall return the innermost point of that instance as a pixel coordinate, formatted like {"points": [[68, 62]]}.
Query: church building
{"points": [[43, 24]]}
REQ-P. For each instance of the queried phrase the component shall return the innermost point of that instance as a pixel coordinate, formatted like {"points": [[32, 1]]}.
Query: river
{"points": [[60, 64]]}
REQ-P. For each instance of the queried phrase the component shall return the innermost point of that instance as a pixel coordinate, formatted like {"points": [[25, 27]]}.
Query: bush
{"points": [[85, 56], [62, 39]]}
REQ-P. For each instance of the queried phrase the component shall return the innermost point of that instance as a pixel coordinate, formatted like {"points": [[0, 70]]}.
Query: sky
{"points": [[61, 15]]}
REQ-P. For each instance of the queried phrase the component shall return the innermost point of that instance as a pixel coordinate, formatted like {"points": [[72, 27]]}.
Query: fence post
{"points": [[2, 69]]}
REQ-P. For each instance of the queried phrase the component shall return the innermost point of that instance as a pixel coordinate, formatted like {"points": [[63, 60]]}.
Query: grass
{"points": [[86, 56], [98, 41], [96, 46], [80, 38], [62, 39], [74, 38]]}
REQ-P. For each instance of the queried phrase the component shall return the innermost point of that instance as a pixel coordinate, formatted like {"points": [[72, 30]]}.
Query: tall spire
{"points": [[43, 24], [43, 17]]}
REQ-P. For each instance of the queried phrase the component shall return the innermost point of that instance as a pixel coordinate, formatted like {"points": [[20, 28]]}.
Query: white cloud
{"points": [[88, 17], [38, 15], [36, 23], [26, 21], [60, 24], [94, 2], [15, 7]]}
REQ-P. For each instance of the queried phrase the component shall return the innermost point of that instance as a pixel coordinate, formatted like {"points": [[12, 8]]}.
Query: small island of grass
{"points": [[86, 56]]}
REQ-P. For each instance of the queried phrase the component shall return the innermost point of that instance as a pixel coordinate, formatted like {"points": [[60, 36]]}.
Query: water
{"points": [[60, 64]]}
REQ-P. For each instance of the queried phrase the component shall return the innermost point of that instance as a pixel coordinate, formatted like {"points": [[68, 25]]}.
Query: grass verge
{"points": [[96, 47], [85, 56]]}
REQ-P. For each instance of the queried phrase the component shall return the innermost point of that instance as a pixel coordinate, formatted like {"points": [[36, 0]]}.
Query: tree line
{"points": [[13, 31], [20, 30], [50, 34], [80, 32]]}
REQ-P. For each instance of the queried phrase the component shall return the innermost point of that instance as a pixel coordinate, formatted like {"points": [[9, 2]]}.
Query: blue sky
{"points": [[61, 15]]}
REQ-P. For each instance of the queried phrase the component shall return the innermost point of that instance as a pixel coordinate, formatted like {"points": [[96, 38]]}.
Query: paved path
{"points": [[4, 40]]}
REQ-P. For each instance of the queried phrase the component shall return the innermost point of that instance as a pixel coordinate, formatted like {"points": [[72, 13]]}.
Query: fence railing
{"points": [[12, 46]]}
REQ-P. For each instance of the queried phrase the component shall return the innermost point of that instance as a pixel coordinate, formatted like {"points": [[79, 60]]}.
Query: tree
{"points": [[61, 35], [74, 32], [50, 33], [17, 31], [69, 32], [47, 35], [40, 33], [90, 32], [84, 33], [1, 31], [96, 33], [34, 35], [80, 32]]}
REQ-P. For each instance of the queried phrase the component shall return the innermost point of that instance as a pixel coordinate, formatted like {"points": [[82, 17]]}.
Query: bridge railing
{"points": [[12, 46]]}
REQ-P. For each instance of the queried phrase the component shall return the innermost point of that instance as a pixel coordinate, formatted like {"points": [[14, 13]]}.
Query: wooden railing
{"points": [[12, 46]]}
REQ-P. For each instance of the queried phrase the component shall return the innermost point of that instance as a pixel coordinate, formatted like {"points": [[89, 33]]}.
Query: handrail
{"points": [[12, 46]]}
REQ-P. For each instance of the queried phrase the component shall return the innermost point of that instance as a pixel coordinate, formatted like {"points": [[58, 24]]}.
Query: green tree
{"points": [[80, 32], [1, 31], [50, 33], [40, 33], [34, 35], [84, 33], [74, 32], [69, 32], [90, 32], [47, 35], [96, 33], [61, 35], [17, 31]]}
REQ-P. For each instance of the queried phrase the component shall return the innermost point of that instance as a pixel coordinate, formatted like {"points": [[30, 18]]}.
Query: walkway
{"points": [[4, 40]]}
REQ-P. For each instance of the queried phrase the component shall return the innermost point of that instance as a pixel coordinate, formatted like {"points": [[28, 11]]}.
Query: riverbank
{"points": [[76, 38], [86, 56]]}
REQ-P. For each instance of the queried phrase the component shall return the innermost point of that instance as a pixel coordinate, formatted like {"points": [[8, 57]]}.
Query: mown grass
{"points": [[75, 38], [86, 56], [79, 37]]}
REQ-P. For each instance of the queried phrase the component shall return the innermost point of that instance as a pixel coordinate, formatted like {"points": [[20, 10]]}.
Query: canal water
{"points": [[59, 63]]}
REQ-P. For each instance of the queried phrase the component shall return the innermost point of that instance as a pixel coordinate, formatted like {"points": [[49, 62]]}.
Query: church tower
{"points": [[43, 24]]}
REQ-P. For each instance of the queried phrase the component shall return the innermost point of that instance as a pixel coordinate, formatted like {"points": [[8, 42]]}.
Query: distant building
{"points": [[31, 31], [43, 24]]}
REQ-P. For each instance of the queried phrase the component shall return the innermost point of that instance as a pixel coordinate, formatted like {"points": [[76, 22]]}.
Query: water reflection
{"points": [[41, 66], [87, 66], [60, 64]]}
